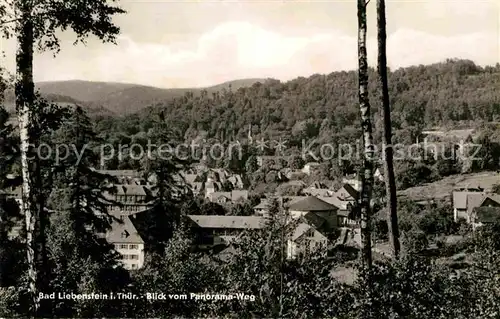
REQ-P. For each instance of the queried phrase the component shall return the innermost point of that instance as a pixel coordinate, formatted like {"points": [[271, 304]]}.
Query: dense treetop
{"points": [[455, 92]]}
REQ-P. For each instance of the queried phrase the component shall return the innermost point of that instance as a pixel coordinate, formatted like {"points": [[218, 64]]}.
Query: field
{"points": [[443, 188]]}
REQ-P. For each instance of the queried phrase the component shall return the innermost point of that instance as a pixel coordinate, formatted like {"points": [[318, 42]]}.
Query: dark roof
{"points": [[313, 219], [335, 201], [487, 214], [312, 204], [343, 213], [350, 190]]}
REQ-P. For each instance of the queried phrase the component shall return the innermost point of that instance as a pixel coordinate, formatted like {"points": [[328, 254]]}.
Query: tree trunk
{"points": [[366, 124], [25, 94], [390, 180]]}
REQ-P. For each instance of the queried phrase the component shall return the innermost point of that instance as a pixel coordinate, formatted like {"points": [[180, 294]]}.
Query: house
{"points": [[318, 192], [344, 217], [228, 197], [127, 242], [318, 207], [378, 174], [237, 181], [305, 238], [318, 189], [197, 188], [347, 193], [211, 187], [309, 167], [485, 215], [262, 209], [220, 197], [189, 178], [464, 203], [12, 192], [129, 198], [213, 230]]}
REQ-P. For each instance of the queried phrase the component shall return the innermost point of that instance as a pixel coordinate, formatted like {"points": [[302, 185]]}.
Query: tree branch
{"points": [[9, 21]]}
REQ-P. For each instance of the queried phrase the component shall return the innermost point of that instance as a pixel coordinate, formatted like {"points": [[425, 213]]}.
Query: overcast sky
{"points": [[200, 43]]}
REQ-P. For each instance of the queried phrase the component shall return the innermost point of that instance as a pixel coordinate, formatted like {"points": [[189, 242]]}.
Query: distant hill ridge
{"points": [[110, 98]]}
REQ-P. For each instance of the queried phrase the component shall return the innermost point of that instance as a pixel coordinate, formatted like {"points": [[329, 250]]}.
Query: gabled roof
{"points": [[313, 219], [343, 213], [230, 222], [134, 190], [487, 214], [335, 201], [189, 178], [493, 197], [460, 200], [318, 192], [474, 200], [217, 195], [300, 230], [312, 204], [127, 228], [349, 189]]}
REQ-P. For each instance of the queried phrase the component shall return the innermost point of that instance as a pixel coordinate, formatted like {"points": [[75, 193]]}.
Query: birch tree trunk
{"points": [[390, 180], [25, 94], [366, 125]]}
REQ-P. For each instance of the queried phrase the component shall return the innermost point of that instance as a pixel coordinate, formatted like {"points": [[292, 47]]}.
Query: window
{"points": [[133, 246], [134, 257], [123, 246], [310, 234], [125, 257]]}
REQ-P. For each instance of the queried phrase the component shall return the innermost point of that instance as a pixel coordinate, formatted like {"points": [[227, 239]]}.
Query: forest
{"points": [[455, 93]]}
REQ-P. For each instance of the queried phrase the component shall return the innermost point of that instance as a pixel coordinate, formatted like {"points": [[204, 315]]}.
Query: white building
{"points": [[127, 242]]}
